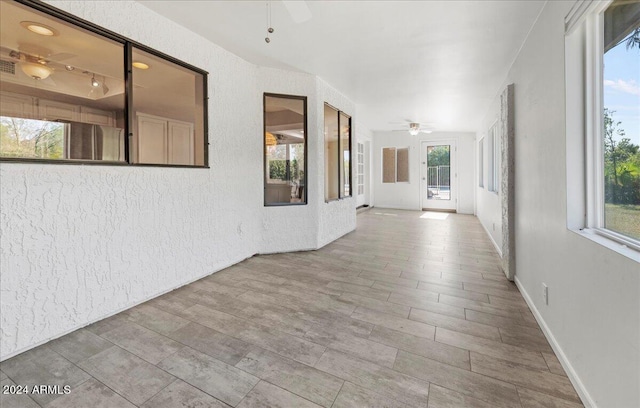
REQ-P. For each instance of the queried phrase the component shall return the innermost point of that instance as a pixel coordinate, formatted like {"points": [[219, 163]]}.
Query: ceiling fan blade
{"points": [[49, 81], [298, 10], [61, 56], [425, 131]]}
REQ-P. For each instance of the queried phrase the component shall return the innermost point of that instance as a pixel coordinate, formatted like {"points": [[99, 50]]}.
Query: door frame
{"points": [[360, 161], [454, 174]]}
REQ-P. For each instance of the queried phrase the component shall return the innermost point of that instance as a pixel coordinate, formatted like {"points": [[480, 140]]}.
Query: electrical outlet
{"points": [[545, 293]]}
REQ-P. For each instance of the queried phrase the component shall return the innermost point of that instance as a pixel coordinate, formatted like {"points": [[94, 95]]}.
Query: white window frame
{"points": [[481, 163], [395, 164], [408, 181], [584, 51], [497, 145], [360, 176], [493, 159]]}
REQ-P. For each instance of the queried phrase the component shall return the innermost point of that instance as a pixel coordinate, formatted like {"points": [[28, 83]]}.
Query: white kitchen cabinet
{"points": [[97, 116], [17, 106], [152, 139], [28, 107], [164, 141], [53, 111], [180, 135]]}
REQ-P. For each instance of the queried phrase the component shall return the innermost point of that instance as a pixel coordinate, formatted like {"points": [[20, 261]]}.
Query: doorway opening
{"points": [[438, 180]]}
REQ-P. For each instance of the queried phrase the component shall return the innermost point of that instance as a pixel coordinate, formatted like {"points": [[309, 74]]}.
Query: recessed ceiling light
{"points": [[140, 65], [39, 28]]}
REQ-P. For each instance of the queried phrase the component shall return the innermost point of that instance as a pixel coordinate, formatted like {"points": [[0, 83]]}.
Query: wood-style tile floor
{"points": [[407, 311]]}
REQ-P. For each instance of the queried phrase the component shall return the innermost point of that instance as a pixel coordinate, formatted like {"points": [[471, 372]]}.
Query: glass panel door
{"points": [[438, 175]]}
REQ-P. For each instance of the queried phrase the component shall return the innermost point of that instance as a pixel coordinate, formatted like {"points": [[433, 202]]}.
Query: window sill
{"points": [[333, 200], [95, 163], [595, 236], [284, 204]]}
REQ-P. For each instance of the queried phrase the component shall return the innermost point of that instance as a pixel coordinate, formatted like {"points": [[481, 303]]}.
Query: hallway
{"points": [[411, 309]]}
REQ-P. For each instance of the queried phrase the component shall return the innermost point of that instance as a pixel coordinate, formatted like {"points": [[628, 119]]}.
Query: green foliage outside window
{"points": [[31, 138], [621, 164], [438, 156], [278, 170]]}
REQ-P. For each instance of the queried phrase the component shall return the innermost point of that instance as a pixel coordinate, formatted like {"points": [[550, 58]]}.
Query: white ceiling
{"points": [[427, 61]]}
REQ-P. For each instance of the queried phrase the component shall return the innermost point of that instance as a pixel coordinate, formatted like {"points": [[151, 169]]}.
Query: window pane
{"points": [[331, 162], [345, 155], [360, 168], [496, 159], [402, 172], [168, 112], [285, 146], [62, 90], [493, 162], [622, 119], [389, 165], [481, 163]]}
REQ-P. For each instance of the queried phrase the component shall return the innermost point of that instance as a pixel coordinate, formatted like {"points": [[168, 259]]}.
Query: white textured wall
{"points": [[488, 203], [337, 217], [286, 228], [594, 293], [80, 243], [406, 196]]}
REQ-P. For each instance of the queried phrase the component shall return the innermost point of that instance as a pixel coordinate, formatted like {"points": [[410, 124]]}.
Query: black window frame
{"points": [[128, 46], [264, 147], [341, 195]]}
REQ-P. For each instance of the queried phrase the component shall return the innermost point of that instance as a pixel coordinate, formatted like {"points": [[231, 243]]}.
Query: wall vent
{"points": [[8, 67]]}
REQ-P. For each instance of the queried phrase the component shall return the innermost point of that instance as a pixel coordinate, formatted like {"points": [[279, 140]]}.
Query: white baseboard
{"points": [[495, 245], [568, 368], [397, 207]]}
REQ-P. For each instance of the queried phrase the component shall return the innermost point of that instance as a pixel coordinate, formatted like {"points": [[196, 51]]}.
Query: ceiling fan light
{"points": [[414, 132], [35, 70], [270, 139]]}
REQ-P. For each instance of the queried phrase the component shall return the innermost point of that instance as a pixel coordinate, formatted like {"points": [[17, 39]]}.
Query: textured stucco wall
{"points": [[79, 243], [293, 227], [336, 217]]}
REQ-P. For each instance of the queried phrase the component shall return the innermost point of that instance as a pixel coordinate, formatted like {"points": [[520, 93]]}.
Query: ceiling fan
{"points": [[298, 10], [414, 128], [38, 65], [32, 65]]}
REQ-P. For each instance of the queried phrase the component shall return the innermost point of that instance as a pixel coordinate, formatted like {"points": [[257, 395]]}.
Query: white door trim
{"points": [[451, 204]]}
